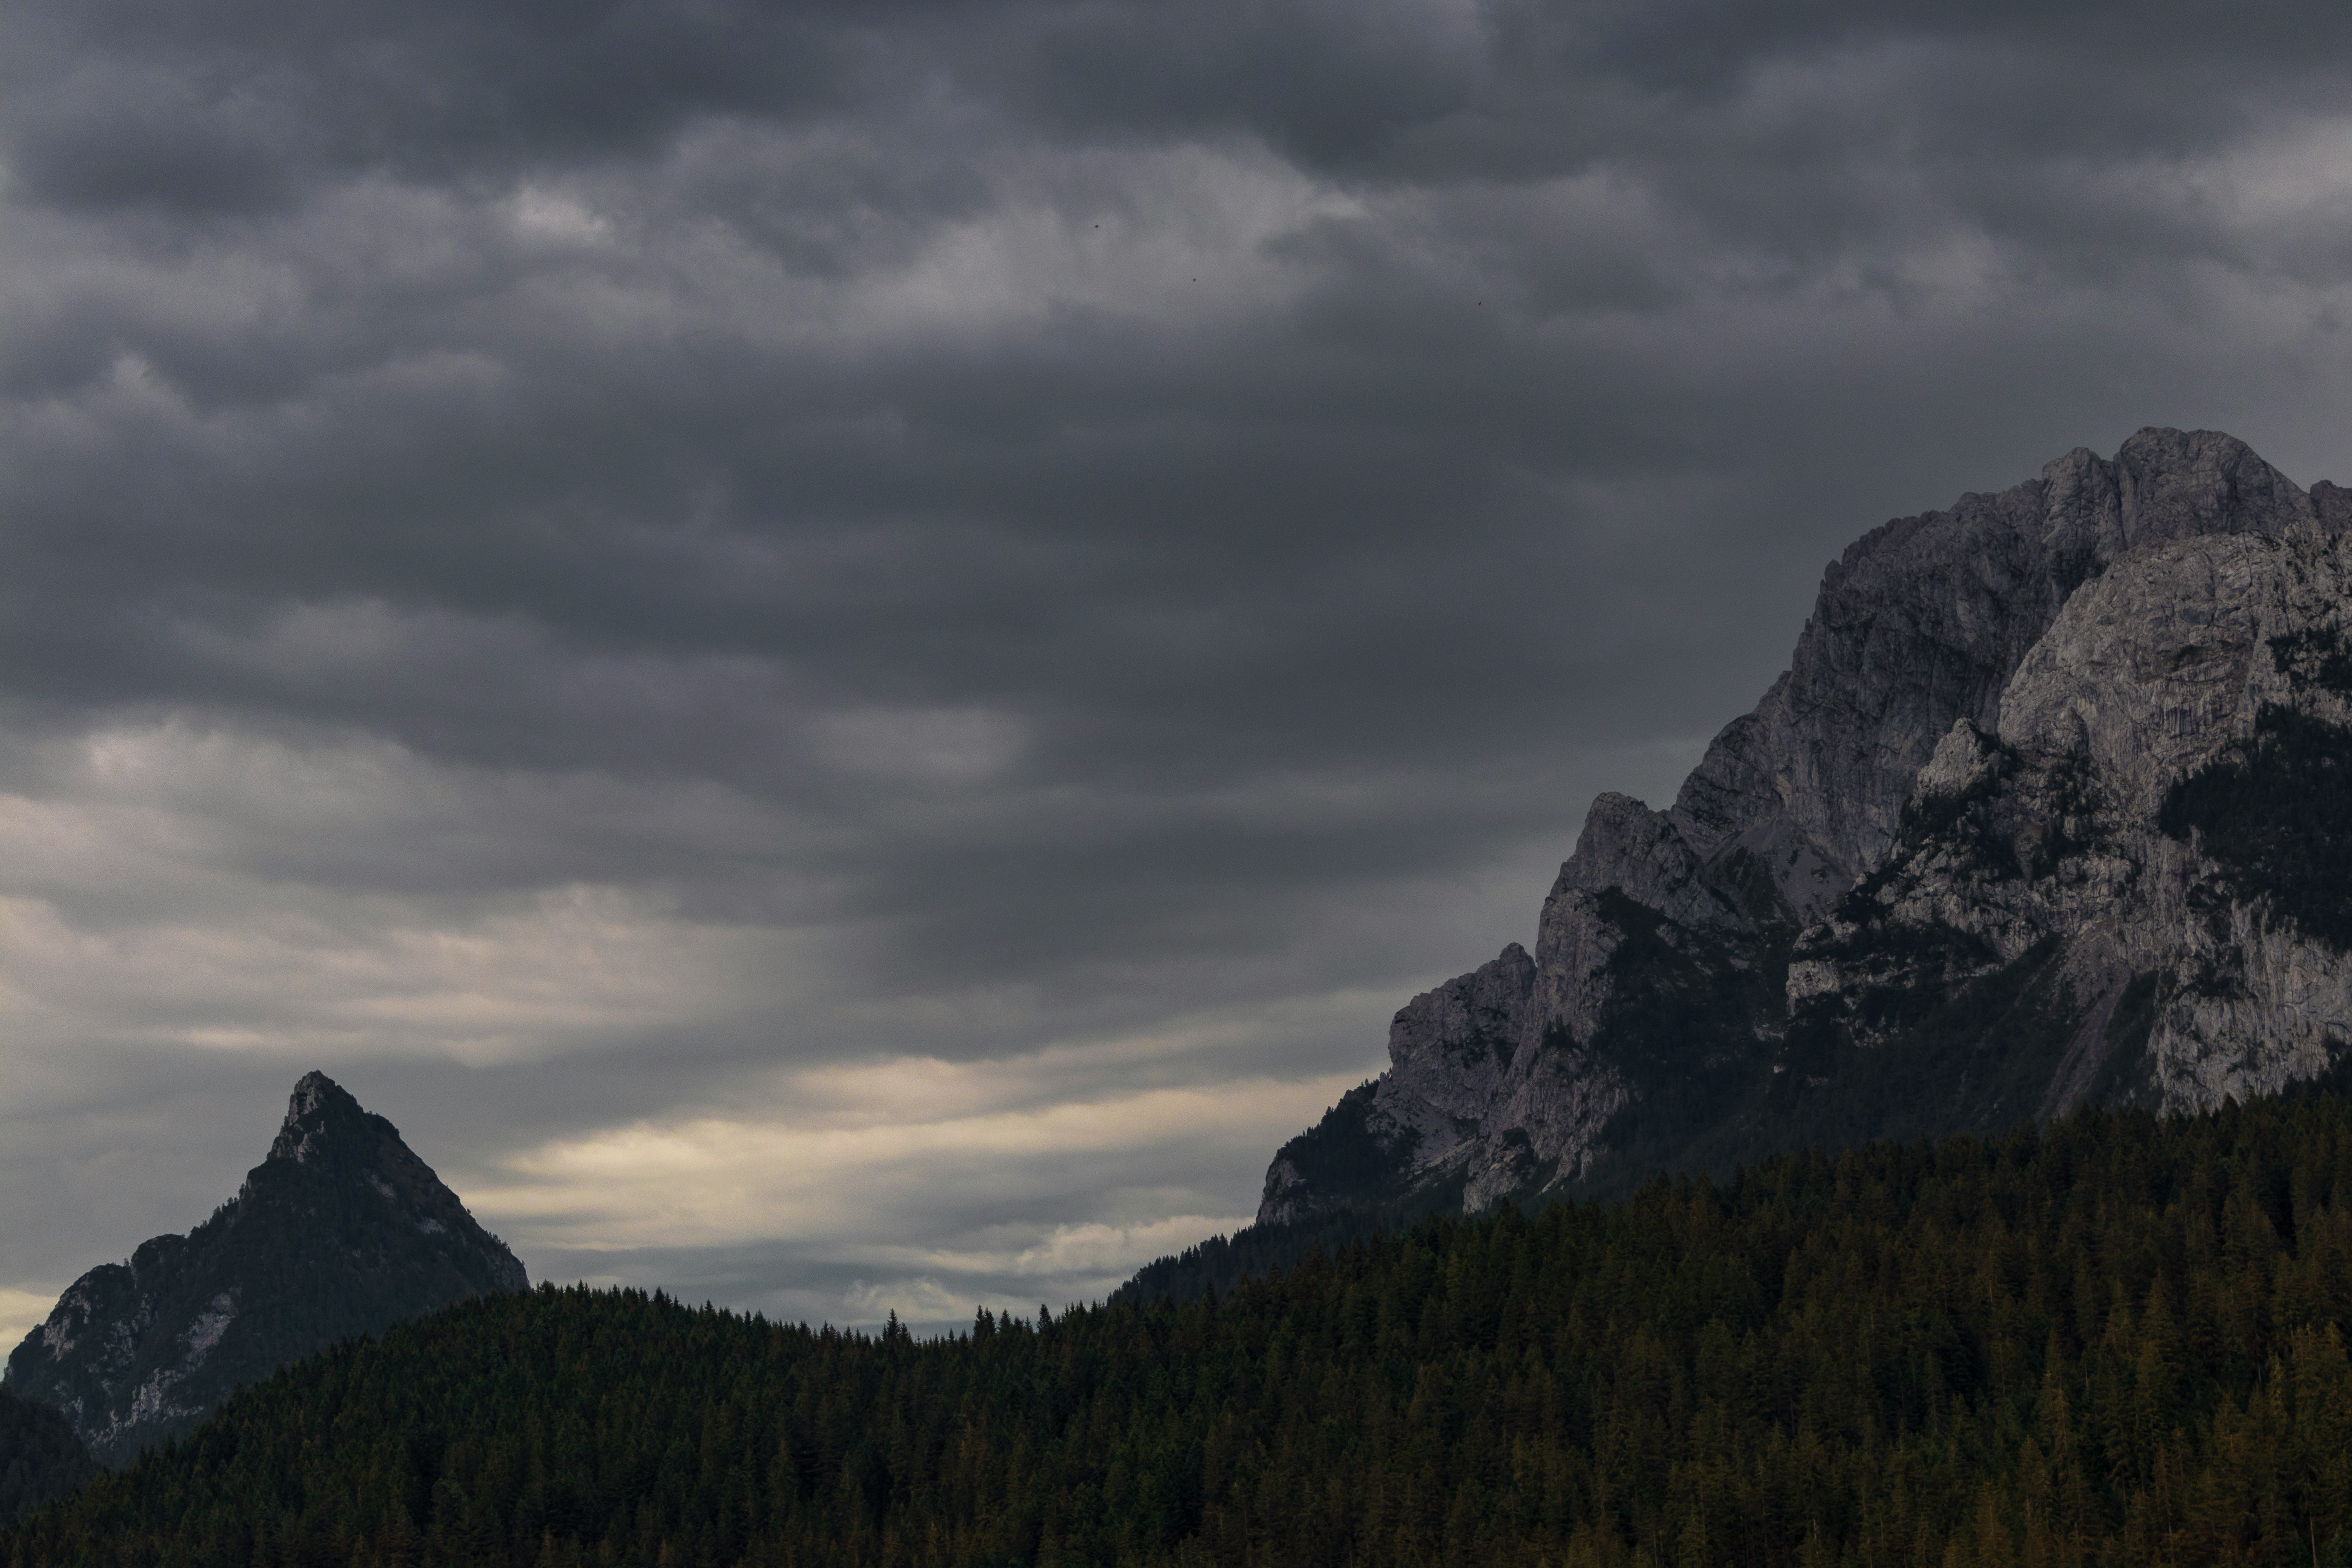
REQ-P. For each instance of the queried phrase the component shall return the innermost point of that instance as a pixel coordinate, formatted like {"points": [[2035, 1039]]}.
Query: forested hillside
{"points": [[340, 1231], [40, 1457], [2108, 1340]]}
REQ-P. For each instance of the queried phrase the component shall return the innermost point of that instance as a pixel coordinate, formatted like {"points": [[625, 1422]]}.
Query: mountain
{"points": [[2053, 807], [40, 1457], [2115, 1341], [341, 1231]]}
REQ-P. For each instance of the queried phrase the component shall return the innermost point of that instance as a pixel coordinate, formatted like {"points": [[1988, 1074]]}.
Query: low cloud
{"points": [[718, 1181]]}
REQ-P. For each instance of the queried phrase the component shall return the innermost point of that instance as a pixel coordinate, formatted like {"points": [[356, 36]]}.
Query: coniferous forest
{"points": [[2107, 1341], [40, 1457]]}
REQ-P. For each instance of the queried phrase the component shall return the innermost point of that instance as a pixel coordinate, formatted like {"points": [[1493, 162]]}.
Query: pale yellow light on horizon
{"points": [[22, 1308], [725, 1180]]}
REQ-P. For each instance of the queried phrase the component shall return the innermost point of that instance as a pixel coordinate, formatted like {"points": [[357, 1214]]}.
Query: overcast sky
{"points": [[848, 655]]}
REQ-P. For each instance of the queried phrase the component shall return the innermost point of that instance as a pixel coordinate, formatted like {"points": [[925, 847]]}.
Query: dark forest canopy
{"points": [[2107, 1340], [40, 1457]]}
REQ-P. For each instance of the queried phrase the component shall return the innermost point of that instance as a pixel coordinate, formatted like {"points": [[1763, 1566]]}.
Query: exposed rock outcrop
{"points": [[340, 1231], [1983, 852]]}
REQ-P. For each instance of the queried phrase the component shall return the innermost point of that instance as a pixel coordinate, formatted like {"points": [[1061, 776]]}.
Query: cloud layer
{"points": [[847, 656]]}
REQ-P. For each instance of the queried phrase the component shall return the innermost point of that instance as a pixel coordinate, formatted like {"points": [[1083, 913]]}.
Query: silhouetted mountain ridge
{"points": [[341, 1231]]}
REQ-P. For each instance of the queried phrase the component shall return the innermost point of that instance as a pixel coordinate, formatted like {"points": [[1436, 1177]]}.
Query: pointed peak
{"points": [[318, 1104], [313, 1092]]}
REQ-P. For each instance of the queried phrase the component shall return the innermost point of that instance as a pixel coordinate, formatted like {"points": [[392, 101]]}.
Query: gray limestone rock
{"points": [[1448, 1049], [1448, 1052], [1953, 806]]}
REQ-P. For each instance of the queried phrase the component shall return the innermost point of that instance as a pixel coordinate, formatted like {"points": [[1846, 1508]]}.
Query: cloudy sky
{"points": [[848, 654]]}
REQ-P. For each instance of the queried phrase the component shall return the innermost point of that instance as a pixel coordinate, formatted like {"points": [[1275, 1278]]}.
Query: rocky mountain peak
{"points": [[1986, 849], [316, 1109], [341, 1230]]}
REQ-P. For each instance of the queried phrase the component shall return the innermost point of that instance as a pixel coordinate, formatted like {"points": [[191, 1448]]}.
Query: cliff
{"points": [[2047, 809]]}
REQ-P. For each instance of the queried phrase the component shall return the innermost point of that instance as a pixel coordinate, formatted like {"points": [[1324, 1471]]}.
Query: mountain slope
{"points": [[340, 1231], [1987, 850], [2112, 1340], [40, 1457]]}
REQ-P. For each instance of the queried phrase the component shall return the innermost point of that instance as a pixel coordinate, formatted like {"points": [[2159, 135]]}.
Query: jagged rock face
{"points": [[1946, 875], [1922, 622], [2189, 668], [1450, 1052], [341, 1231]]}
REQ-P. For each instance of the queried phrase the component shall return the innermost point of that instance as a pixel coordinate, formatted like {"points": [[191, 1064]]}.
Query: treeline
{"points": [[2109, 1341], [1223, 1264]]}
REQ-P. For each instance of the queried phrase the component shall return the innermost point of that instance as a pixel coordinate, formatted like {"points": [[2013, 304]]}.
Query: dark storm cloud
{"points": [[702, 541], [233, 109]]}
